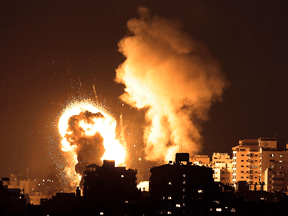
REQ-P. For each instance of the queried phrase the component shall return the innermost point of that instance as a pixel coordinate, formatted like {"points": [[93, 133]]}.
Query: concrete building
{"points": [[108, 182], [261, 164], [181, 188], [274, 170], [112, 189], [222, 166], [201, 160], [246, 162]]}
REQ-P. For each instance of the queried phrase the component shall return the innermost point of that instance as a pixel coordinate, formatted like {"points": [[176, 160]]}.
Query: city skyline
{"points": [[52, 53]]}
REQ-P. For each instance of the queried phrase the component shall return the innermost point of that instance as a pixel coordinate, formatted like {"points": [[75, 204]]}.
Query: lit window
{"points": [[169, 212], [126, 201], [183, 204], [184, 189], [184, 175], [200, 191], [169, 198], [272, 155], [218, 209], [178, 205], [101, 213], [184, 182], [163, 198], [122, 176], [280, 161], [169, 183], [233, 210], [281, 155]]}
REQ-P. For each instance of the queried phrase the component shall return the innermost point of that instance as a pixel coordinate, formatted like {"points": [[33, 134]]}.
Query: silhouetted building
{"points": [[12, 201], [111, 187], [181, 188]]}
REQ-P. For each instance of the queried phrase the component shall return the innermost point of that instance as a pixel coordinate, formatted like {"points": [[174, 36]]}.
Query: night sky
{"points": [[52, 52]]}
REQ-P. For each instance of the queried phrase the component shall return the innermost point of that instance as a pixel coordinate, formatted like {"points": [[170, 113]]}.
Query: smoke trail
{"points": [[174, 77]]}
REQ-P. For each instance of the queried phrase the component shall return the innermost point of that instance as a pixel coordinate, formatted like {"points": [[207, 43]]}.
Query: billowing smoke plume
{"points": [[89, 149], [174, 77]]}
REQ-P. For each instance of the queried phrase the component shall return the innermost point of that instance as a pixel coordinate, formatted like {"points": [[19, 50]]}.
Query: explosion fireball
{"points": [[88, 136], [174, 77]]}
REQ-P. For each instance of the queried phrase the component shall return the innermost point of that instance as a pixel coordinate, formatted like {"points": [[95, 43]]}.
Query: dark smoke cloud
{"points": [[89, 149]]}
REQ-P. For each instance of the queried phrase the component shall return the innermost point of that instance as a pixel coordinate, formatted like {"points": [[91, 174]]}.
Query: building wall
{"points": [[274, 170], [181, 189], [110, 183], [222, 166], [246, 162], [201, 160], [267, 142], [259, 162]]}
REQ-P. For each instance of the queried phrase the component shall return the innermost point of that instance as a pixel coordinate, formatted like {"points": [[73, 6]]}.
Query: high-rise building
{"points": [[260, 163], [246, 162], [274, 169]]}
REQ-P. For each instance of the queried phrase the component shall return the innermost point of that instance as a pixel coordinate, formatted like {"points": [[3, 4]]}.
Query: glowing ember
{"points": [[143, 185], [88, 136]]}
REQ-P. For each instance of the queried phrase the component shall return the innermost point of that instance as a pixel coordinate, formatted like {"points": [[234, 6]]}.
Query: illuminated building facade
{"points": [[201, 160], [259, 162], [246, 162], [181, 188], [275, 170], [222, 166]]}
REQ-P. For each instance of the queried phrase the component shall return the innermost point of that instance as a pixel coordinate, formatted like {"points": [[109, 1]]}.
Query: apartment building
{"points": [[246, 162], [274, 169], [261, 164], [222, 166], [201, 160]]}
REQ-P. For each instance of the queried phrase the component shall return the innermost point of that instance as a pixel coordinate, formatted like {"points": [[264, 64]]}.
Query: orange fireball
{"points": [[88, 136]]}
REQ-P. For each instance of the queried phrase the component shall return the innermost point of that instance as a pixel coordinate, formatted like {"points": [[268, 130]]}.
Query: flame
{"points": [[104, 125], [143, 186], [174, 77]]}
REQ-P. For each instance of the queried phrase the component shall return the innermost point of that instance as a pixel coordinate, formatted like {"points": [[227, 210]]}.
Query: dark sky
{"points": [[54, 51]]}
